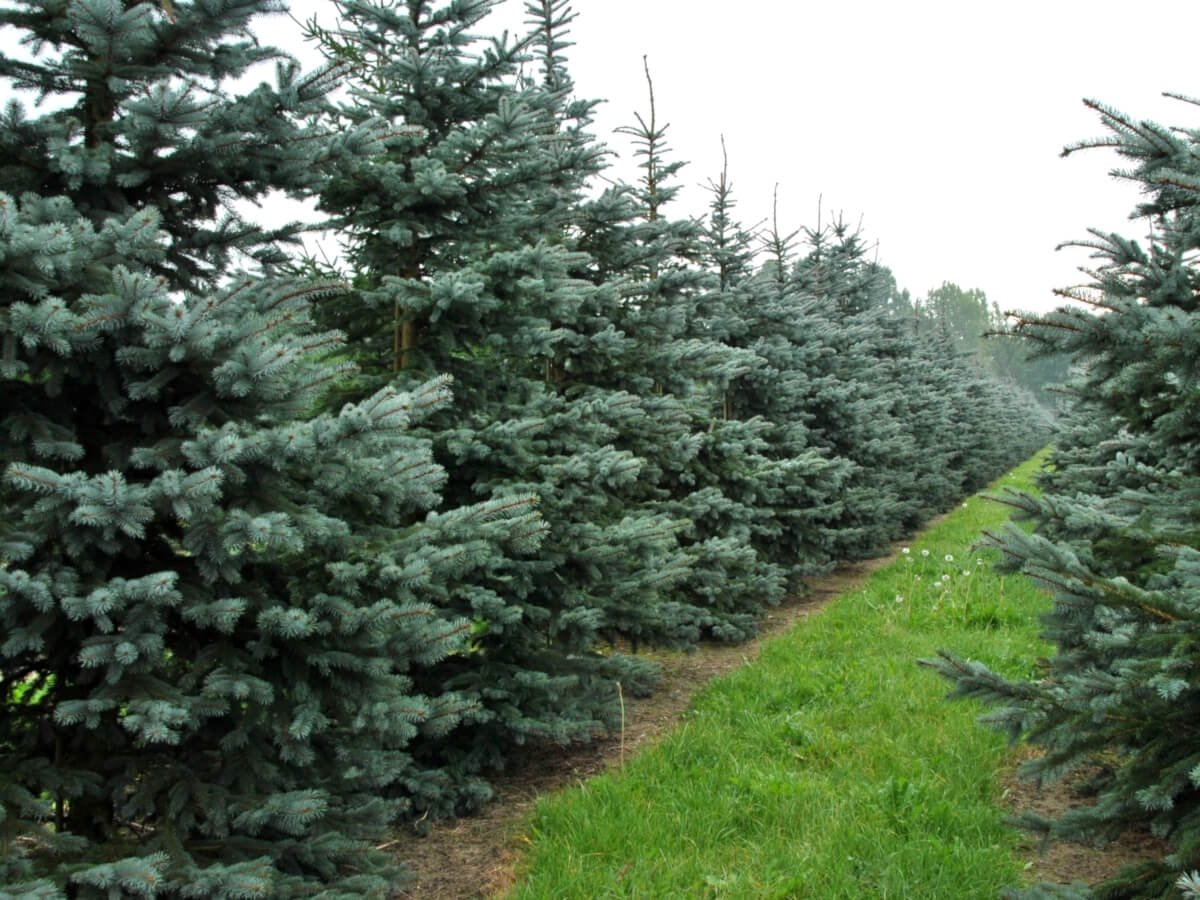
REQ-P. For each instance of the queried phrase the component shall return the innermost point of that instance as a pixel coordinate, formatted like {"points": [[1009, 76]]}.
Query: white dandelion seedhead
{"points": [[899, 598], [949, 557], [925, 553], [964, 504], [906, 551], [945, 578], [966, 573], [1189, 883]]}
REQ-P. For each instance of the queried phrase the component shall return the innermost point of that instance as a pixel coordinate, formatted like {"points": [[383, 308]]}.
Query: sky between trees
{"points": [[939, 124]]}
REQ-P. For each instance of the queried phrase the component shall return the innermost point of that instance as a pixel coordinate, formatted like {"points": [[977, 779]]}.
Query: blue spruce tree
{"points": [[462, 243], [1115, 539], [921, 425], [706, 469], [781, 492], [213, 599]]}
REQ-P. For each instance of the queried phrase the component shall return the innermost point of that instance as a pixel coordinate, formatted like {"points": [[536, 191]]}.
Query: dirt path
{"points": [[474, 857]]}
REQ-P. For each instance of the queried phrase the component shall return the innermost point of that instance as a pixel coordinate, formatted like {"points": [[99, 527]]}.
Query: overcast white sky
{"points": [[939, 123]]}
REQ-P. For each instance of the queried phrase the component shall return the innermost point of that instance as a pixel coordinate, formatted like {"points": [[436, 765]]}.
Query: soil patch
{"points": [[1064, 862]]}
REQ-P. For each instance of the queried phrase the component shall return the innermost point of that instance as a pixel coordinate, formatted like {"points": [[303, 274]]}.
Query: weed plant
{"points": [[831, 767]]}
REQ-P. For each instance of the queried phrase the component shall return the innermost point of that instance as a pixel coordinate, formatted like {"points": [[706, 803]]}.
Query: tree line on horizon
{"points": [[980, 329], [291, 554]]}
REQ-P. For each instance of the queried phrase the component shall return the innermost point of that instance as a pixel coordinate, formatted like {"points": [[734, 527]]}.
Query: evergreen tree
{"points": [[918, 423], [732, 479], [706, 469], [1115, 542], [213, 600], [854, 413], [796, 492], [965, 315], [978, 328], [463, 242]]}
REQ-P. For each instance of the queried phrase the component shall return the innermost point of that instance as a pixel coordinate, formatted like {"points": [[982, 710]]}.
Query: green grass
{"points": [[831, 767]]}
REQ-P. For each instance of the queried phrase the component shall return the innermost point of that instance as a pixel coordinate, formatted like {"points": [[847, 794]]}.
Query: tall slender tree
{"points": [[791, 494], [705, 466]]}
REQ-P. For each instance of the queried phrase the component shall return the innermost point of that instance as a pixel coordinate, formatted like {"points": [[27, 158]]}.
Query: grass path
{"points": [[831, 766], [473, 857]]}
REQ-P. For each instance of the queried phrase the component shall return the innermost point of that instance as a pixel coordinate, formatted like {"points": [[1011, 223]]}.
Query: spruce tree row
{"points": [[1115, 539], [288, 556]]}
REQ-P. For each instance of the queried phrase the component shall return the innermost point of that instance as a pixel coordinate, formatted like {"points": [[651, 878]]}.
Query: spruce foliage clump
{"points": [[913, 424], [213, 598], [460, 235], [1115, 540]]}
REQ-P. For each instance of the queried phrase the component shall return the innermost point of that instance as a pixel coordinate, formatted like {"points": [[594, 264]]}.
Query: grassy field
{"points": [[832, 767]]}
